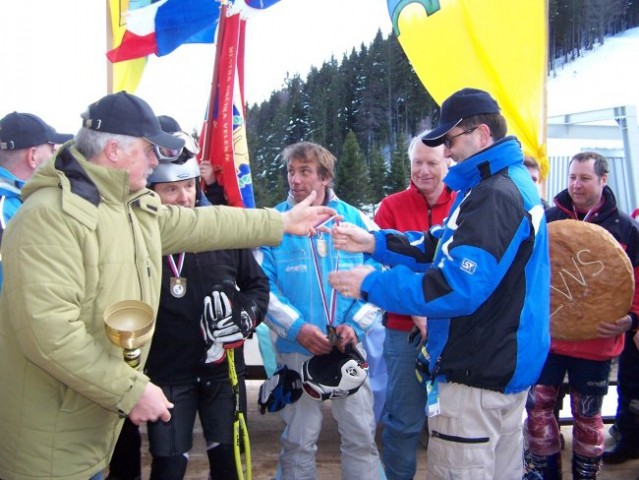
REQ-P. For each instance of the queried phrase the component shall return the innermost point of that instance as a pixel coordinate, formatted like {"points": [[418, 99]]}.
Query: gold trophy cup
{"points": [[129, 324]]}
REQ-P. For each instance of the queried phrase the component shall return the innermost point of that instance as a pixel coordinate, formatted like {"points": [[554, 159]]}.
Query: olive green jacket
{"points": [[81, 242]]}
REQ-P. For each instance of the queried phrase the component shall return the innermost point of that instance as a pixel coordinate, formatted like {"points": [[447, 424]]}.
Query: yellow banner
{"points": [[124, 75], [496, 45]]}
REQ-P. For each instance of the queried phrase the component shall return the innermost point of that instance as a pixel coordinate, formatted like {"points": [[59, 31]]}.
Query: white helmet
{"points": [[335, 375], [175, 171]]}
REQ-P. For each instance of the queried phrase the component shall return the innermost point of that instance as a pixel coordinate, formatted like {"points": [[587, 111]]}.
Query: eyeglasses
{"points": [[448, 141]]}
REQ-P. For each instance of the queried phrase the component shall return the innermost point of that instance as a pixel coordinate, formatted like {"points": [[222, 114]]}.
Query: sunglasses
{"points": [[448, 141]]}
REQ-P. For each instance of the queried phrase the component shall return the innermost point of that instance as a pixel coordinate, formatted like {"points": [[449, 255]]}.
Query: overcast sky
{"points": [[53, 63]]}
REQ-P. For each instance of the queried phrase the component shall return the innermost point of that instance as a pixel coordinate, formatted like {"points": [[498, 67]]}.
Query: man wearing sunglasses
{"points": [[90, 234], [484, 286]]}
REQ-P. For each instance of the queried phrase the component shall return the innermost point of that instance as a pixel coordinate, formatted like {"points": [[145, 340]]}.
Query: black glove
{"points": [[227, 319], [283, 388]]}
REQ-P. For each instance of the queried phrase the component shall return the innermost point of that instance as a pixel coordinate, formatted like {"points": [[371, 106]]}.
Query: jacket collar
{"points": [[9, 183], [69, 169], [443, 198], [85, 185], [484, 164], [607, 205]]}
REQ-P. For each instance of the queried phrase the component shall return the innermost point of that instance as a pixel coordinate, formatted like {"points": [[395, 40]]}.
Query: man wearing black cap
{"points": [[89, 235], [485, 289], [26, 141]]}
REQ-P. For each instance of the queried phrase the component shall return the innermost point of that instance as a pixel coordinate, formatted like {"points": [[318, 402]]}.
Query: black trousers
{"points": [[126, 463], [627, 418]]}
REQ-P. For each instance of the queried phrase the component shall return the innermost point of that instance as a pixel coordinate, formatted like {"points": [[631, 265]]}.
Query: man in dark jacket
{"points": [[484, 286], [192, 370]]}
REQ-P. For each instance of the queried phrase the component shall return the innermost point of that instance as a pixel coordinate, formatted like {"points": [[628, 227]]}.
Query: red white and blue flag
{"points": [[163, 26]]}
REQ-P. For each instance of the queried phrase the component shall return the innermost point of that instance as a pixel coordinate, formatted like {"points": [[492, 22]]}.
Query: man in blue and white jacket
{"points": [[302, 305], [484, 286], [26, 142]]}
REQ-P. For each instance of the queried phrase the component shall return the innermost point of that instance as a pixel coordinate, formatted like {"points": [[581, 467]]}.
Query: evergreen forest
{"points": [[366, 106]]}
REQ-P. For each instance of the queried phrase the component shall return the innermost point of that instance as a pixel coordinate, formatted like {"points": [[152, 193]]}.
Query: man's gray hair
{"points": [[91, 142]]}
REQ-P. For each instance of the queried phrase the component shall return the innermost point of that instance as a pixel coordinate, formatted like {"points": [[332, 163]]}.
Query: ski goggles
{"points": [[170, 154], [165, 154]]}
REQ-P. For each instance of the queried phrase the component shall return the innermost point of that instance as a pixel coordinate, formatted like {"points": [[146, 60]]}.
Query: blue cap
{"points": [[465, 103]]}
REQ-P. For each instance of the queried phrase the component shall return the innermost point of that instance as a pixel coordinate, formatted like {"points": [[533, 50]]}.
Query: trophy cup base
{"points": [[132, 357]]}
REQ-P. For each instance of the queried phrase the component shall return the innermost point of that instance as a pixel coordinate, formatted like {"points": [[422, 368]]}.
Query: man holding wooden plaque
{"points": [[594, 251]]}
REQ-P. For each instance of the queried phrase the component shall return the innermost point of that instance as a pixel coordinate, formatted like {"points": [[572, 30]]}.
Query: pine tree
{"points": [[376, 93], [352, 182], [399, 171], [377, 174]]}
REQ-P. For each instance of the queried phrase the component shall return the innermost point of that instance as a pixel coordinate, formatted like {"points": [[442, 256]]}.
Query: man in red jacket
{"points": [[425, 203]]}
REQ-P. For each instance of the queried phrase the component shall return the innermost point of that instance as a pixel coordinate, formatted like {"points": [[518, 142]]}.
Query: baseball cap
{"points": [[25, 130], [125, 114], [464, 103]]}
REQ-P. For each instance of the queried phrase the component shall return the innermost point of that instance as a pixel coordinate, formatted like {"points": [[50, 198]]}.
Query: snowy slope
{"points": [[605, 77]]}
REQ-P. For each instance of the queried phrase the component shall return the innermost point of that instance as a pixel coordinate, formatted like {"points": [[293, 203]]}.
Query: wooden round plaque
{"points": [[592, 279]]}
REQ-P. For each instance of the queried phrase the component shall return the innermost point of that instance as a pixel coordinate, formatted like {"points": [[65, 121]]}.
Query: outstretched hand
{"points": [[351, 238], [349, 282], [303, 219]]}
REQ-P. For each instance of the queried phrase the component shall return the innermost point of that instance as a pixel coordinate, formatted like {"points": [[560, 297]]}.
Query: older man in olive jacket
{"points": [[89, 235]]}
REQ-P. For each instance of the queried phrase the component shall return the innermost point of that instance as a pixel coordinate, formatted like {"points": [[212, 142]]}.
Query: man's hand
{"points": [[618, 327], [351, 238], [314, 340], [151, 407], [349, 282], [303, 218], [420, 324], [346, 335], [207, 172]]}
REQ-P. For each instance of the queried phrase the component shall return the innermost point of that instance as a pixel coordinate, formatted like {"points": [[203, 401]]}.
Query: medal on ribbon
{"points": [[177, 284]]}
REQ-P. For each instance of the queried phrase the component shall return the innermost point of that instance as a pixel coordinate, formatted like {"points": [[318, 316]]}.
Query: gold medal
{"points": [[178, 286], [322, 247]]}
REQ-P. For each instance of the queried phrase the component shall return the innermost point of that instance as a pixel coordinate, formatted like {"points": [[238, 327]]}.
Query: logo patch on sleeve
{"points": [[468, 266]]}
